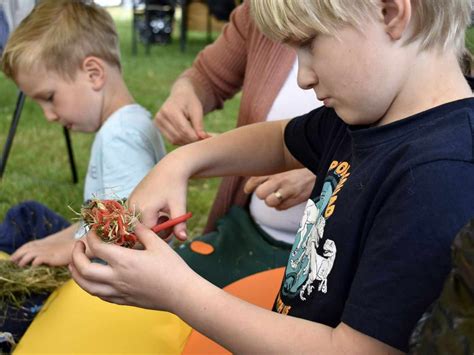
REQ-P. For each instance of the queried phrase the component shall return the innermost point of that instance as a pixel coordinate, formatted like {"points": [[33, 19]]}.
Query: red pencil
{"points": [[171, 222]]}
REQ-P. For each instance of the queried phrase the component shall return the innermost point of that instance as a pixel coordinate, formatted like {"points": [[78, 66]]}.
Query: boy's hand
{"points": [[163, 190], [153, 278], [283, 190], [180, 119], [48, 251]]}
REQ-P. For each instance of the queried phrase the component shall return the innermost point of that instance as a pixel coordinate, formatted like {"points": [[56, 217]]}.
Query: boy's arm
{"points": [[157, 278], [245, 328], [256, 149]]}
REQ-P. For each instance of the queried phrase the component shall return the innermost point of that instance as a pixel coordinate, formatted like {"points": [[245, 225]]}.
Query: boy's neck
{"points": [[116, 96], [434, 80]]}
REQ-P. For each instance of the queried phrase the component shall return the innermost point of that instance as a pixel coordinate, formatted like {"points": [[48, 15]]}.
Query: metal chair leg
{"points": [[134, 30], [209, 24], [184, 25], [147, 24], [70, 153], [11, 133]]}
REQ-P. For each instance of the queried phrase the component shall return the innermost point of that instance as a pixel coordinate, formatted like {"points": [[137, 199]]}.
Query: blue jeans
{"points": [[25, 222]]}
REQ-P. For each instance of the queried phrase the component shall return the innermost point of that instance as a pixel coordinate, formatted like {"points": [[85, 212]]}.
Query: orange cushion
{"points": [[259, 289]]}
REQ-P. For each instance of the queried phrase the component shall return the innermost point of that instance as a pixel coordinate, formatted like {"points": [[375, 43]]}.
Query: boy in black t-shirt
{"points": [[393, 152]]}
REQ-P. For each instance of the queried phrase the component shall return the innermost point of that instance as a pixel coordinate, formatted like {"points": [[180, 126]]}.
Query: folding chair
{"points": [[17, 113]]}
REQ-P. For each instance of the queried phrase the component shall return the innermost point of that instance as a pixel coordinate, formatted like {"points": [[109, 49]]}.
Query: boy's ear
{"points": [[397, 16], [95, 70]]}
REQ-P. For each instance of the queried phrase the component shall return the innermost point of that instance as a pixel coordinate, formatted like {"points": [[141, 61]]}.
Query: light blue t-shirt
{"points": [[125, 148]]}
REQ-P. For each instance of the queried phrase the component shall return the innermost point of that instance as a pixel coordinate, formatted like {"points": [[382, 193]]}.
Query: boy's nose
{"points": [[50, 115], [307, 77]]}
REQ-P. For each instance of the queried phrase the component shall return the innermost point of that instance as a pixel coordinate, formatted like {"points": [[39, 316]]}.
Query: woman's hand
{"points": [[180, 118], [283, 190], [152, 278]]}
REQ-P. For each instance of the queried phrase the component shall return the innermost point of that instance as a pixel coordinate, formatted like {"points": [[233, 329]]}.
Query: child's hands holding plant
{"points": [[152, 278]]}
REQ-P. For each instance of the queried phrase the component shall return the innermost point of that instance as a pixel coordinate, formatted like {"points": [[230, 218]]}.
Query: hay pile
{"points": [[17, 283]]}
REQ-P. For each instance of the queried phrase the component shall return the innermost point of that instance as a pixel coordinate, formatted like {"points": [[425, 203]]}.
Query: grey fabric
{"points": [[12, 12], [4, 29], [16, 10], [7, 6]]}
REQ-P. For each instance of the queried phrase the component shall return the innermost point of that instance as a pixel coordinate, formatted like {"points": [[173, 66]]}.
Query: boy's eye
{"points": [[50, 98]]}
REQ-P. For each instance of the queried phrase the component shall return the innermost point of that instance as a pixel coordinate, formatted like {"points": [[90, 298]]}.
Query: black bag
{"points": [[448, 326]]}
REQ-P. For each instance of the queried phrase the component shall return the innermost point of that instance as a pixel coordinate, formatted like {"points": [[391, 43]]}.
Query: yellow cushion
{"points": [[74, 322], [4, 256]]}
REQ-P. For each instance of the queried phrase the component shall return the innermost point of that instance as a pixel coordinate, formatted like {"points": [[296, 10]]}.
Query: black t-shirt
{"points": [[373, 248]]}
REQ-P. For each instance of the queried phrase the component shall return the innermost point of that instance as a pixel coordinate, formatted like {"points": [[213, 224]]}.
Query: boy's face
{"points": [[359, 74], [72, 103]]}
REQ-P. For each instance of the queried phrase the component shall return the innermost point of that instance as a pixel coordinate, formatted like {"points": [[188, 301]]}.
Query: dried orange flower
{"points": [[112, 221]]}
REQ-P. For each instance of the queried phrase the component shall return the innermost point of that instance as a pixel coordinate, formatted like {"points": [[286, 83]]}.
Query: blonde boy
{"points": [[65, 56], [393, 153]]}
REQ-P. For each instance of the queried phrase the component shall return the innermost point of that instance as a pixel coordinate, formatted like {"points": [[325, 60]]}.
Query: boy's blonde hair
{"points": [[437, 23], [59, 35]]}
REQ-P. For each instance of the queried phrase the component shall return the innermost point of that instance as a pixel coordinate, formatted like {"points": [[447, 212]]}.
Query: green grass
{"points": [[38, 167], [470, 39]]}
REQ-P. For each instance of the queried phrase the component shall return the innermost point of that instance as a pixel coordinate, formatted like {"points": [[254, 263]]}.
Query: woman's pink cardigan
{"points": [[241, 59]]}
